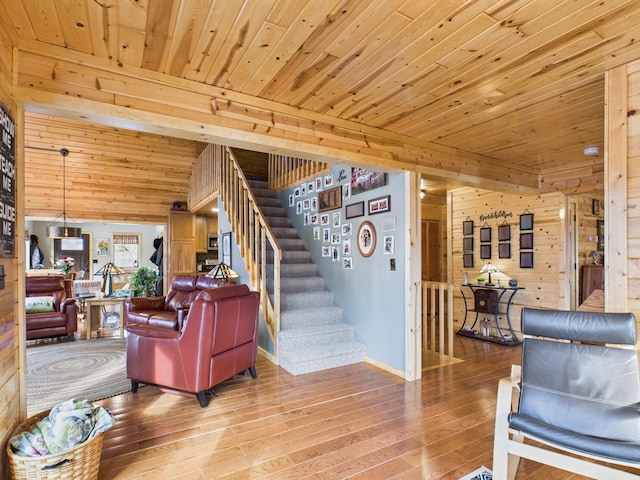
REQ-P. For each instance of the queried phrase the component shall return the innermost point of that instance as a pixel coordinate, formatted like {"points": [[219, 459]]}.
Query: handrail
{"points": [[285, 171], [432, 310], [254, 236], [216, 172]]}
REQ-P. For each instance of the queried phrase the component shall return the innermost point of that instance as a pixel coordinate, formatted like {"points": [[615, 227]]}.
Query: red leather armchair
{"points": [[167, 312], [218, 340], [63, 317]]}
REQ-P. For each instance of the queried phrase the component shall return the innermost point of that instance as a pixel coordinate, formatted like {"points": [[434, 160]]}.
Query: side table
{"points": [[100, 311], [486, 301]]}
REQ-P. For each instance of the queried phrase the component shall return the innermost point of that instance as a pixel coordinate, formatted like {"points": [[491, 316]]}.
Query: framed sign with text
{"points": [[7, 190]]}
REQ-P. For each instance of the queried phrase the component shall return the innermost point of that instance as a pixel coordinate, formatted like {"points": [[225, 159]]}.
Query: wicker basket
{"points": [[81, 462]]}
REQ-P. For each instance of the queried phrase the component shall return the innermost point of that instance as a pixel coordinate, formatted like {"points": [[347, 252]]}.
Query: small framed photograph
{"points": [[366, 239], [504, 233], [346, 229], [347, 263], [467, 227], [316, 233], [299, 207], [467, 244], [354, 210], [324, 219], [336, 219], [335, 253], [335, 238], [380, 205], [389, 245], [226, 248], [303, 189], [467, 260], [526, 221], [504, 250], [307, 218], [314, 204], [291, 200], [328, 180], [319, 184], [326, 235], [311, 187], [326, 251], [526, 259], [526, 241], [306, 204], [102, 247], [485, 252], [346, 247], [346, 191], [314, 218], [485, 234]]}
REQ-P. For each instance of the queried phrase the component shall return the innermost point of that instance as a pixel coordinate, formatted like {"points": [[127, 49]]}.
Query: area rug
{"points": [[482, 473], [91, 369]]}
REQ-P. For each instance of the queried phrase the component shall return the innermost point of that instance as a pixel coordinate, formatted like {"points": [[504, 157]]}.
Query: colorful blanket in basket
{"points": [[67, 425]]}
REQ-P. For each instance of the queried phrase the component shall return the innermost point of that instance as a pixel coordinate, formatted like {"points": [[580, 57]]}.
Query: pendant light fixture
{"points": [[63, 231]]}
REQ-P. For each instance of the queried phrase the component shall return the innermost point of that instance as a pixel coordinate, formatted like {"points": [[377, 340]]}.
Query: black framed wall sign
{"points": [[504, 233], [467, 227], [526, 241], [526, 221], [485, 251], [485, 234], [526, 259], [504, 250]]}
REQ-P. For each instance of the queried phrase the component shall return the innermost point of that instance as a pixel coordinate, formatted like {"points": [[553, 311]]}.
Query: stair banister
{"points": [[217, 172], [246, 217]]}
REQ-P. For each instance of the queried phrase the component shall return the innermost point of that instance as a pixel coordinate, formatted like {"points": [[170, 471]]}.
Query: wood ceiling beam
{"points": [[76, 85]]}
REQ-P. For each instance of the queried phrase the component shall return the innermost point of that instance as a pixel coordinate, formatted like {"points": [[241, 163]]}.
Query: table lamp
{"points": [[489, 268], [107, 271], [222, 271]]}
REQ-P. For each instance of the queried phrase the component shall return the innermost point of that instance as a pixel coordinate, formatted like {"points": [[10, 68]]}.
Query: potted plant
{"points": [[144, 282], [481, 280]]}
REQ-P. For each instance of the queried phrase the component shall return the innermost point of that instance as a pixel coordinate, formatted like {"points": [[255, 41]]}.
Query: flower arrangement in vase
{"points": [[65, 264]]}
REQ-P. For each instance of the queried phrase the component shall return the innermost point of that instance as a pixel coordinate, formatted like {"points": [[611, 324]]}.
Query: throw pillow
{"points": [[39, 304]]}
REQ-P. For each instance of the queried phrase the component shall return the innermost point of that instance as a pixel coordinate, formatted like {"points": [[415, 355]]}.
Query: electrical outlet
{"points": [[392, 264]]}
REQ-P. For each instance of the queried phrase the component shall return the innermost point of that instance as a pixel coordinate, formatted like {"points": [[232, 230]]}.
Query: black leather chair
{"points": [[577, 391]]}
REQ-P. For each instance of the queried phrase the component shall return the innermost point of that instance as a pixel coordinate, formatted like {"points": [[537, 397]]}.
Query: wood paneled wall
{"points": [[111, 173], [11, 355], [544, 283], [633, 189]]}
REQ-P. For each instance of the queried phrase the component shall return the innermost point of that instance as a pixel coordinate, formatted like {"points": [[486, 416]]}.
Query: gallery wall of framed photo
{"points": [[352, 221]]}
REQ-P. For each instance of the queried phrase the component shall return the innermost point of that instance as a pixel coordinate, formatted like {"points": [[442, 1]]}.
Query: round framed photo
{"points": [[366, 239]]}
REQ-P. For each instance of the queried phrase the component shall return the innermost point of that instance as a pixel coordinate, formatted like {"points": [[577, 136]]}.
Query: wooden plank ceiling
{"points": [[519, 81]]}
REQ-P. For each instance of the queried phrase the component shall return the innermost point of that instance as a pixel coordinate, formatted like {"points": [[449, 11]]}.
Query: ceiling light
{"points": [[591, 150], [63, 231]]}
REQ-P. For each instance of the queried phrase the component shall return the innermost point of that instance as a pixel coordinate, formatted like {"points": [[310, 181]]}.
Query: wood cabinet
{"points": [[205, 226], [592, 278], [181, 254]]}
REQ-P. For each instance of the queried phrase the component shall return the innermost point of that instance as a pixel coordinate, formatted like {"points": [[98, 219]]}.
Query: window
{"points": [[126, 250]]}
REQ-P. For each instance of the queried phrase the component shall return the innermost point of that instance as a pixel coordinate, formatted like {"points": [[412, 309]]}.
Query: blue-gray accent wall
{"points": [[371, 295]]}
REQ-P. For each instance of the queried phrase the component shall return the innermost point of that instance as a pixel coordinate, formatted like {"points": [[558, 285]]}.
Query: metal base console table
{"points": [[487, 300]]}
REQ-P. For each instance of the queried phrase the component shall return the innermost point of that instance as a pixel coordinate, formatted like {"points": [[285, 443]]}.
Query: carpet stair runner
{"points": [[312, 334]]}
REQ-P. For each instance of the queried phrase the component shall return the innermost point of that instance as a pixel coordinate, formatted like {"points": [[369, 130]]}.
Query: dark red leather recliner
{"points": [[217, 341], [168, 311], [63, 320]]}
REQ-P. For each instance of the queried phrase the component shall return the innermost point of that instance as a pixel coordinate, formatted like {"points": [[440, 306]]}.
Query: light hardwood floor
{"points": [[356, 422]]}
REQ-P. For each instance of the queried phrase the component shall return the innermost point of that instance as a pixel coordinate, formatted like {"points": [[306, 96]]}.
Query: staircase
{"points": [[312, 335]]}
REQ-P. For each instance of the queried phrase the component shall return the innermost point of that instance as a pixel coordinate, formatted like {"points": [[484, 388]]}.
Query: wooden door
{"points": [[431, 251]]}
